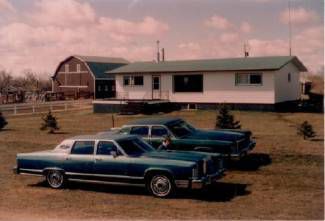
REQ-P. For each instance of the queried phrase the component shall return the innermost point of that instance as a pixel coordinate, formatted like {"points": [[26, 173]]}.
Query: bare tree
{"points": [[5, 79]]}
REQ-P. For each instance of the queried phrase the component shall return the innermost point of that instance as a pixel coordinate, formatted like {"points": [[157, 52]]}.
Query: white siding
{"points": [[218, 88], [284, 90], [134, 92]]}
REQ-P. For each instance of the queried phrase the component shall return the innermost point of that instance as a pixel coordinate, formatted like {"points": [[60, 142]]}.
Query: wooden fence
{"points": [[43, 107]]}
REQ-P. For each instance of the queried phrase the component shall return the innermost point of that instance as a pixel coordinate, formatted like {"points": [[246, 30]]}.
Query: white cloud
{"points": [[245, 27], [229, 37], [5, 5], [218, 22], [42, 37], [189, 46], [299, 15], [149, 26]]}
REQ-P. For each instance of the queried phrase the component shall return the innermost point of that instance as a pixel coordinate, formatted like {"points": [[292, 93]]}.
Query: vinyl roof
{"points": [[225, 64], [103, 136], [156, 120]]}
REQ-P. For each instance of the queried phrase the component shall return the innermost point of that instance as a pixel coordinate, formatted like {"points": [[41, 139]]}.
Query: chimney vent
{"points": [[163, 54], [158, 54]]}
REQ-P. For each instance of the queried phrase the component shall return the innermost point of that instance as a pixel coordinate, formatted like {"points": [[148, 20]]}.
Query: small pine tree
{"points": [[3, 121], [306, 130], [49, 123], [225, 120]]}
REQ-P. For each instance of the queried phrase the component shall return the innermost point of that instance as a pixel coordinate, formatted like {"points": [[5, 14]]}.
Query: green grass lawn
{"points": [[291, 187]]}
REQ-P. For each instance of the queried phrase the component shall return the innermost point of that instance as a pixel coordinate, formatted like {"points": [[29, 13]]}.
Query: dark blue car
{"points": [[121, 159]]}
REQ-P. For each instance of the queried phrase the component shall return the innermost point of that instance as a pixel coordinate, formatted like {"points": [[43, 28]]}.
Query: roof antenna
{"points": [[158, 53], [290, 28]]}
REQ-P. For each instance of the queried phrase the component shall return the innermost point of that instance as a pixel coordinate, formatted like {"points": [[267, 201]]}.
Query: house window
{"points": [[138, 80], [188, 83], [133, 80], [289, 77], [248, 79], [66, 68], [106, 88], [78, 68], [126, 80]]}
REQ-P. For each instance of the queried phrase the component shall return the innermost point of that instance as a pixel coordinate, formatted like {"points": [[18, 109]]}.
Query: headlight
{"points": [[195, 171]]}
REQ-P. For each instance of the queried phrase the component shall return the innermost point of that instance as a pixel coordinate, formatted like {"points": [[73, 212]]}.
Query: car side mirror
{"points": [[114, 154]]}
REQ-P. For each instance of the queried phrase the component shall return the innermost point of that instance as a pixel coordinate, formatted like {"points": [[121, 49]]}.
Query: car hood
{"points": [[216, 135], [175, 155]]}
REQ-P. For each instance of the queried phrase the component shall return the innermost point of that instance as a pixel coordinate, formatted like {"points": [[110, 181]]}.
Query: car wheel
{"points": [[55, 179], [161, 186]]}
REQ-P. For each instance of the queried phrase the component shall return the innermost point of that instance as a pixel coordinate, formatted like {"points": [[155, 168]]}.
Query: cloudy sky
{"points": [[37, 34]]}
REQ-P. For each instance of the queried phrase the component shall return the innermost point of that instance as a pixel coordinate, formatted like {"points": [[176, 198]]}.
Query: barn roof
{"points": [[98, 65], [225, 64]]}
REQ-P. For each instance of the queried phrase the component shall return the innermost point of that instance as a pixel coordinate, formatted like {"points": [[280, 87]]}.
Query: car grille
{"points": [[242, 144], [214, 165]]}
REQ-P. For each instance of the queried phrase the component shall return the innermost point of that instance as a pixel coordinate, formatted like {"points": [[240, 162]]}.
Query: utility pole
{"points": [[290, 28]]}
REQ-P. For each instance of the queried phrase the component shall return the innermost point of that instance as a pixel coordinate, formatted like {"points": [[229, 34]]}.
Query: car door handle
{"points": [[98, 159], [68, 158]]}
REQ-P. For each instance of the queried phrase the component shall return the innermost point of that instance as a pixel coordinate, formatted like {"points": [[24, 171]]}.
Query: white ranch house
{"points": [[251, 81]]}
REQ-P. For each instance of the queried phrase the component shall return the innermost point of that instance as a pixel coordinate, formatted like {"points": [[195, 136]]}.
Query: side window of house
{"points": [[133, 80], [78, 68], [105, 148], [158, 131], [248, 79], [138, 80], [289, 77], [140, 130], [83, 147], [126, 80]]}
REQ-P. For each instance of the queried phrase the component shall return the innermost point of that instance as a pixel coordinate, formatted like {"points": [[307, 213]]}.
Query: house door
{"points": [[156, 91]]}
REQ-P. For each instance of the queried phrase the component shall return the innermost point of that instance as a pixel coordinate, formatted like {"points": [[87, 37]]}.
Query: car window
{"points": [[105, 148], [83, 147], [125, 130], [158, 131], [180, 129], [134, 146], [140, 130]]}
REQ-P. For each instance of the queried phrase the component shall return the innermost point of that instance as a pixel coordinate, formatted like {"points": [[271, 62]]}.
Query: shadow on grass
{"points": [[217, 192], [317, 140], [7, 129], [60, 132], [251, 162]]}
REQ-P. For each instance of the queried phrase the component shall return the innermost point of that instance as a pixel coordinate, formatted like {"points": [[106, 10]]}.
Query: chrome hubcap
{"points": [[160, 185], [55, 179]]}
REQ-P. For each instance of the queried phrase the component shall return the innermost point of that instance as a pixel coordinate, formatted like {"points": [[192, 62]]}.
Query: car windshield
{"points": [[134, 146], [181, 128]]}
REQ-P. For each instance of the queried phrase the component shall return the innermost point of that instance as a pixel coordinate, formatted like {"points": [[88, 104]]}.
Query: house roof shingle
{"points": [[226, 64]]}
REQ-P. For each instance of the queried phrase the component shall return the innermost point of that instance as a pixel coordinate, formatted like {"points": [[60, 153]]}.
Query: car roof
{"points": [[155, 120], [103, 136]]}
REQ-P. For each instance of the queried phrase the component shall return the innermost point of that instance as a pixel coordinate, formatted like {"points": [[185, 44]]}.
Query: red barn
{"points": [[84, 76]]}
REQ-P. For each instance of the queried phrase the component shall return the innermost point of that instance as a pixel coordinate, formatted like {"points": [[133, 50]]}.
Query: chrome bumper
{"points": [[200, 183], [245, 150]]}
